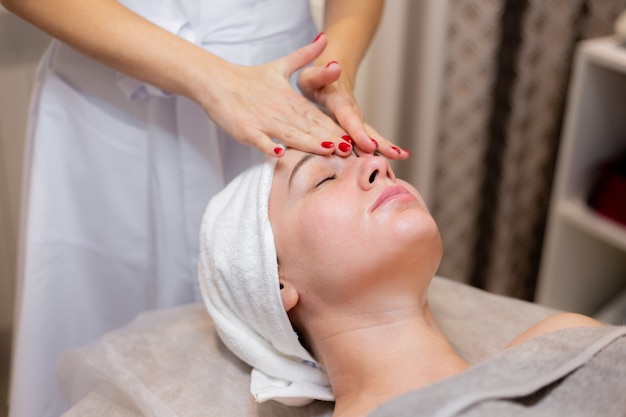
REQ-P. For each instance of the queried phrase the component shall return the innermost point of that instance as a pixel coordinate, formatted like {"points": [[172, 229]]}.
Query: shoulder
{"points": [[553, 323]]}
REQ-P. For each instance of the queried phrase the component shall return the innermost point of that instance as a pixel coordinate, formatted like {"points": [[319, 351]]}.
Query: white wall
{"points": [[20, 48]]}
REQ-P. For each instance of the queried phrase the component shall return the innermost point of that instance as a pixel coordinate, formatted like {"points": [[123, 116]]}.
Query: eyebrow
{"points": [[299, 165]]}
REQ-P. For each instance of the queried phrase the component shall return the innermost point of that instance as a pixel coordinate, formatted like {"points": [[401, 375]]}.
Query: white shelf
{"points": [[615, 311], [581, 216], [606, 52], [583, 263]]}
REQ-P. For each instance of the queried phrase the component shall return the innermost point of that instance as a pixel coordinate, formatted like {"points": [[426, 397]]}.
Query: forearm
{"points": [[115, 36], [350, 26]]}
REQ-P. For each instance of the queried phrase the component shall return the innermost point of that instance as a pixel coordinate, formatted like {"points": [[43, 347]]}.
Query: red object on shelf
{"points": [[608, 196]]}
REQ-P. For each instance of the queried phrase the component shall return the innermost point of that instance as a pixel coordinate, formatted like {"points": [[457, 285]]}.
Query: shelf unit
{"points": [[584, 258]]}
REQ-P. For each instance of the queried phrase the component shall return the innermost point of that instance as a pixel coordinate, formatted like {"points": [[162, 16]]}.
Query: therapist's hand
{"points": [[332, 91], [254, 104]]}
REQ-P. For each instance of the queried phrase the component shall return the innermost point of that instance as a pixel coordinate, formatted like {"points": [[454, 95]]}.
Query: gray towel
{"points": [[571, 372]]}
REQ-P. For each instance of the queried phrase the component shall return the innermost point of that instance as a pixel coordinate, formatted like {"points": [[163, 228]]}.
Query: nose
{"points": [[372, 170]]}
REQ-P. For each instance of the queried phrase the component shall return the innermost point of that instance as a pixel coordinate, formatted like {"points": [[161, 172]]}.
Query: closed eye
{"points": [[332, 177]]}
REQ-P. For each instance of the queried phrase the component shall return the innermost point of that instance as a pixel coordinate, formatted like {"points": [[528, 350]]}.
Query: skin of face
{"points": [[342, 227]]}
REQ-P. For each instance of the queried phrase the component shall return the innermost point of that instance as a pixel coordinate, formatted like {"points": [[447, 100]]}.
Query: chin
{"points": [[417, 226], [418, 236]]}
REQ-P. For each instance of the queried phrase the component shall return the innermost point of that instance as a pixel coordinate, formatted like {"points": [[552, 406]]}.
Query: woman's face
{"points": [[342, 224]]}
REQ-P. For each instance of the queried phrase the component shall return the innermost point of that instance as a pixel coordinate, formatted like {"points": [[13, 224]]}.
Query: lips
{"points": [[390, 193]]}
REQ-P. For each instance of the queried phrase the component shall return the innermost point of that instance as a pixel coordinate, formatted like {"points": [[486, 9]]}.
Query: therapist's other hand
{"points": [[333, 92], [254, 104]]}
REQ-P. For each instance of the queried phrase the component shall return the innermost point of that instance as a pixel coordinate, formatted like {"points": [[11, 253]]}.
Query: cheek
{"points": [[324, 229], [331, 248]]}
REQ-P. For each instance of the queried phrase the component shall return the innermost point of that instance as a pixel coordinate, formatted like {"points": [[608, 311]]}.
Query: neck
{"points": [[370, 365]]}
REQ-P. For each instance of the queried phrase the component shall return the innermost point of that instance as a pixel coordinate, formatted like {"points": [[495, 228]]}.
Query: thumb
{"points": [[302, 56], [314, 78]]}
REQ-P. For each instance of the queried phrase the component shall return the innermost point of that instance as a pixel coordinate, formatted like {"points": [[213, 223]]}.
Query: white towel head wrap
{"points": [[238, 273]]}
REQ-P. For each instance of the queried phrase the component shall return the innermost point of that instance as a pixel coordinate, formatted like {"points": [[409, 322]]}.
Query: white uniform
{"points": [[118, 176]]}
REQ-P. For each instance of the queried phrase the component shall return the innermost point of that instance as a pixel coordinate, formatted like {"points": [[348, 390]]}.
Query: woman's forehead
{"points": [[286, 164], [290, 158]]}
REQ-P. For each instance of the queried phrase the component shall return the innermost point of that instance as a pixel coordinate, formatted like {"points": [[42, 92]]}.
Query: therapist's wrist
{"points": [[203, 80]]}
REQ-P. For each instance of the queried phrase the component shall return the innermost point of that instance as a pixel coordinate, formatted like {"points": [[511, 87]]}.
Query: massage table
{"points": [[170, 362]]}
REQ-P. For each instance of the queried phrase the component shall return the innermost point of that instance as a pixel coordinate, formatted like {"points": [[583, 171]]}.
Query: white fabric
{"points": [[115, 188], [238, 274]]}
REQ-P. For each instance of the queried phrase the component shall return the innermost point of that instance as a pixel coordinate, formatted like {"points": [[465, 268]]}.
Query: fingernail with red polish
{"points": [[318, 36], [278, 150], [347, 138], [327, 145], [406, 151], [375, 143], [331, 63], [395, 148], [344, 147]]}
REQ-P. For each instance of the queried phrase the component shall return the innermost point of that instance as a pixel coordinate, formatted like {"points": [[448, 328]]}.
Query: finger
{"points": [[366, 137], [311, 138], [314, 78], [313, 117], [302, 56], [385, 147], [311, 120], [265, 144], [351, 120]]}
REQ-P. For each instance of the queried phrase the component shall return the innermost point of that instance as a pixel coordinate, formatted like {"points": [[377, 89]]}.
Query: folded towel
{"points": [[238, 274]]}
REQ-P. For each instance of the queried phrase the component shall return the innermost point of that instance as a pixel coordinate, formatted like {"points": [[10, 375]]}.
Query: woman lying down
{"points": [[315, 271]]}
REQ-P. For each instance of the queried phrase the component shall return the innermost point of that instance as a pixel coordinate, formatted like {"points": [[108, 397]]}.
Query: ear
{"points": [[289, 295]]}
